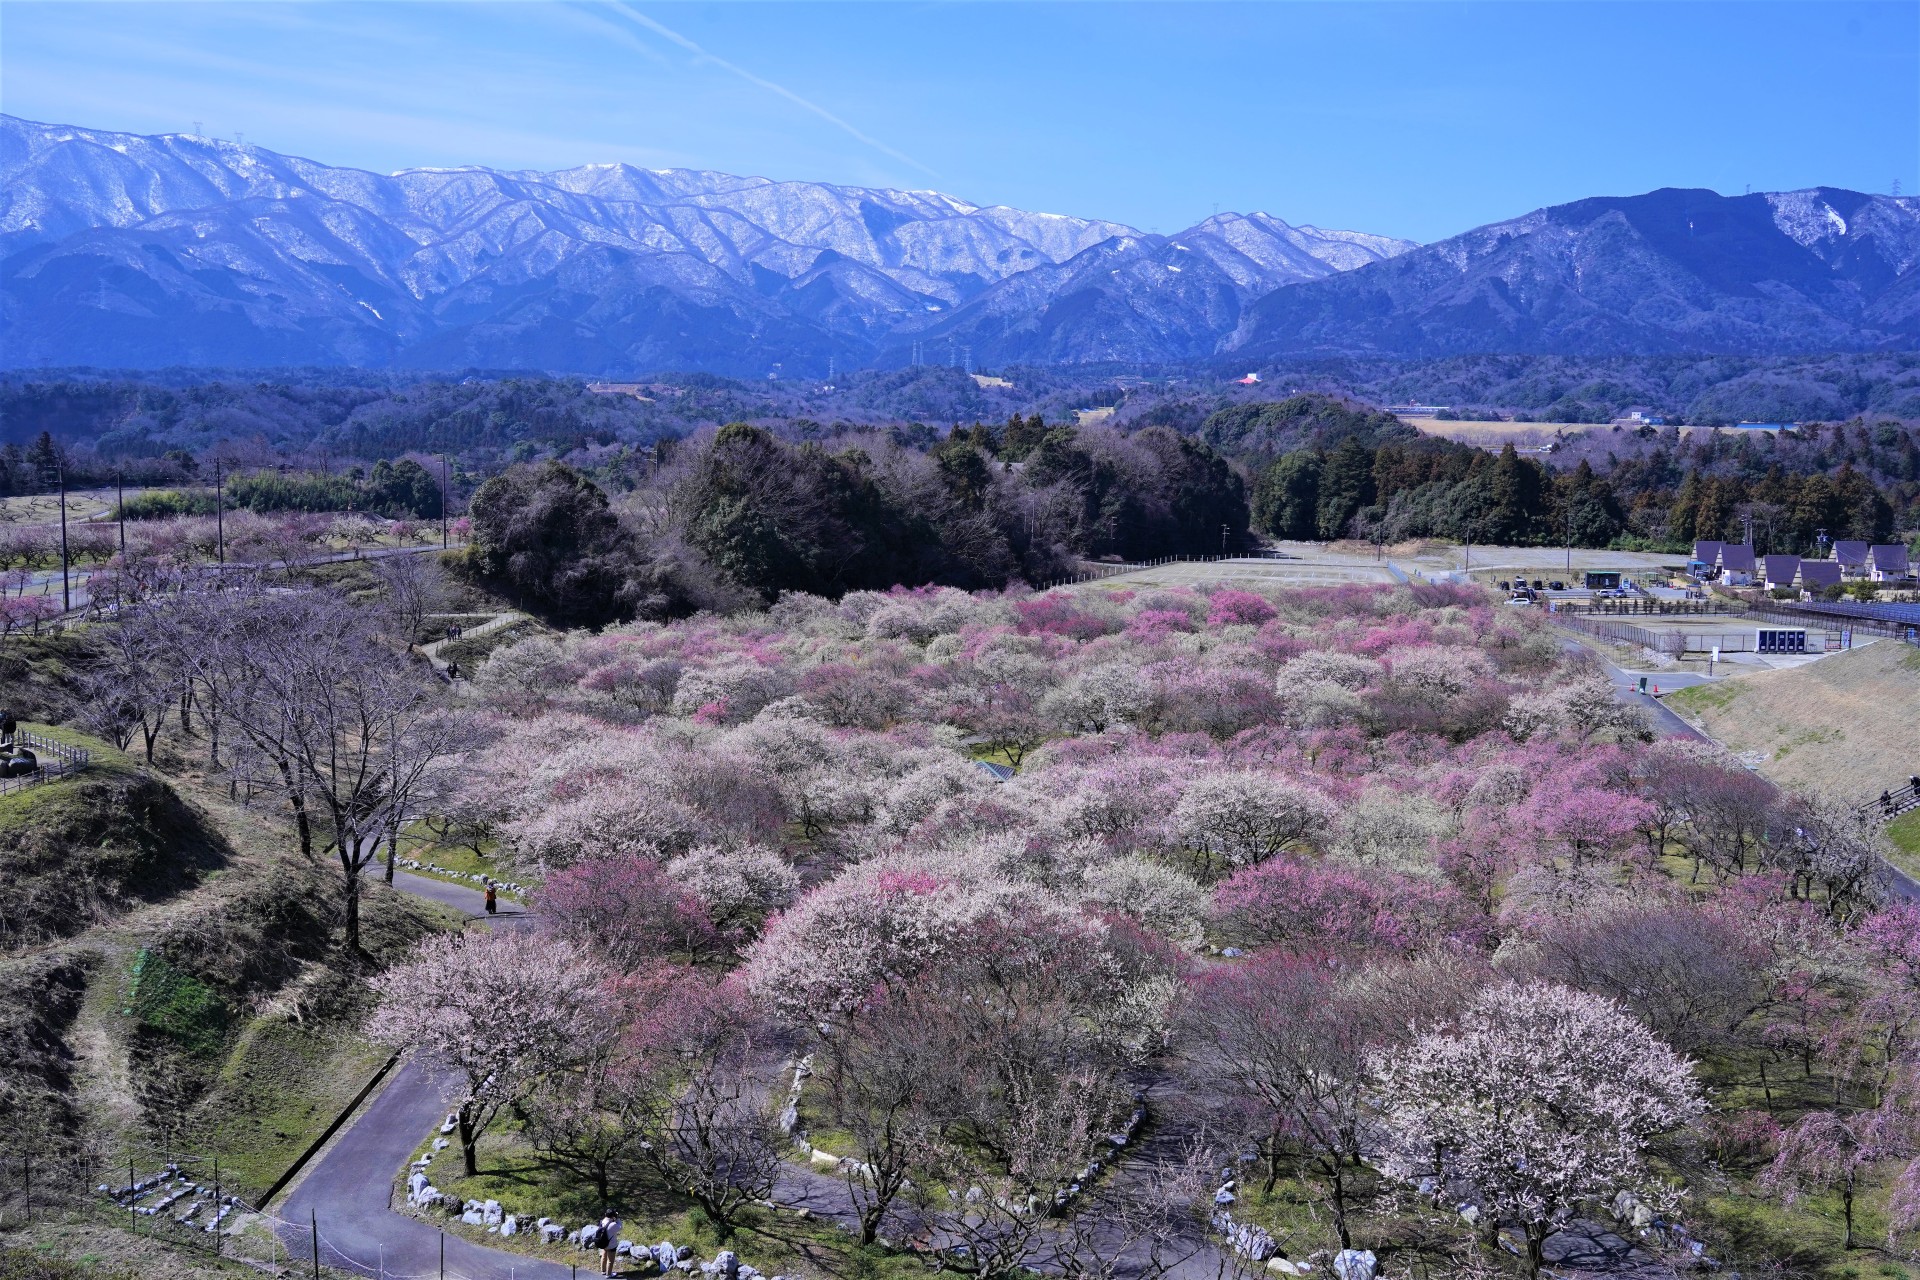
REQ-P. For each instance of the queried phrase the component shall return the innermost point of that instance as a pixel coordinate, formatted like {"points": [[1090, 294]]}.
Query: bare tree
{"points": [[712, 1134], [414, 585], [132, 685], [349, 726], [1141, 1221]]}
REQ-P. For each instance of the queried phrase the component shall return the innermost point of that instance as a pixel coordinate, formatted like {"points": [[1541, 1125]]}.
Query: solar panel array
{"points": [[1898, 614]]}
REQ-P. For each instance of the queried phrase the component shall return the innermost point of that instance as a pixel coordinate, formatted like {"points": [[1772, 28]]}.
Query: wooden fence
{"points": [[57, 760]]}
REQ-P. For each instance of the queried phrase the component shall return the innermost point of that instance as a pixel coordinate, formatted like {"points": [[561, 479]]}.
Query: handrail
{"points": [[57, 760]]}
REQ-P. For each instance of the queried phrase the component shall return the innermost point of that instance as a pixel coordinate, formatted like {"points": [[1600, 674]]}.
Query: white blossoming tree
{"points": [[1542, 1099]]}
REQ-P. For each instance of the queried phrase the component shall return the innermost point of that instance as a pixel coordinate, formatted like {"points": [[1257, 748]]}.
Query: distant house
{"points": [[1852, 556], [1706, 555], [1779, 571], [1887, 562], [998, 772], [1737, 566], [1816, 575]]}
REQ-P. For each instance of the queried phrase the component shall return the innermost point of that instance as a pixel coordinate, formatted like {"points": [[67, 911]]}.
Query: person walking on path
{"points": [[493, 904], [609, 1243]]}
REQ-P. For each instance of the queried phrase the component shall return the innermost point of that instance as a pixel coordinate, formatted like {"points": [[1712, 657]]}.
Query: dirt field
{"points": [[1524, 436], [1319, 564], [1848, 725], [44, 508], [1521, 435]]}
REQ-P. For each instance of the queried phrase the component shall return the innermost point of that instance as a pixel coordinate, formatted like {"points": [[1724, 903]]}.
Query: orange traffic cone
{"points": [[1656, 691]]}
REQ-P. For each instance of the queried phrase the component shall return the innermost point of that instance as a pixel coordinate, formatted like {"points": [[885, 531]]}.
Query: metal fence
{"points": [[1676, 643], [57, 760]]}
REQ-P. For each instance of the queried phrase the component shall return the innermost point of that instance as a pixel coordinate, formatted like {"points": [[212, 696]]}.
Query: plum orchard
{"points": [[1386, 879]]}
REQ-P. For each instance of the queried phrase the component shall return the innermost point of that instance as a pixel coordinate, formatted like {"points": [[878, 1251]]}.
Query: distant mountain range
{"points": [[125, 251]]}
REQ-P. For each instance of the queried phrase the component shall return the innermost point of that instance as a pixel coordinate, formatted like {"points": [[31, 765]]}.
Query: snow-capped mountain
{"points": [[1669, 271], [125, 250]]}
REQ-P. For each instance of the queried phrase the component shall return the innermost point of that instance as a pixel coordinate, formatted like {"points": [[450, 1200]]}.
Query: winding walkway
{"points": [[348, 1191]]}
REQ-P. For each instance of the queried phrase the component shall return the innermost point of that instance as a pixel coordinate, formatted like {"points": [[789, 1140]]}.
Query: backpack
{"points": [[592, 1236]]}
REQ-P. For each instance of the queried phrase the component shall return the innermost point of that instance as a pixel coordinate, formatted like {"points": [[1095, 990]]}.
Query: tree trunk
{"points": [[467, 1138], [393, 841], [1846, 1209], [352, 873], [1536, 1246], [1337, 1183]]}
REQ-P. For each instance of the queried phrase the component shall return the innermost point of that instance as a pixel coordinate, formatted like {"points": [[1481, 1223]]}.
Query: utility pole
{"points": [[443, 502], [1569, 544], [120, 485], [220, 511], [66, 589]]}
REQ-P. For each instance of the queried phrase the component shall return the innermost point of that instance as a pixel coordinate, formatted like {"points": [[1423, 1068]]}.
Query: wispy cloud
{"points": [[635, 16]]}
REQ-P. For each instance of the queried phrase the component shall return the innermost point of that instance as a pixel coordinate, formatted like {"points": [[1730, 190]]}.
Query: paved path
{"points": [[348, 1190], [1668, 724], [1626, 687]]}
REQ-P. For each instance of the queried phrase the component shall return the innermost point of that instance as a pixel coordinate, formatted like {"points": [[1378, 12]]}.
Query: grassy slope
{"points": [[1847, 725], [216, 1014]]}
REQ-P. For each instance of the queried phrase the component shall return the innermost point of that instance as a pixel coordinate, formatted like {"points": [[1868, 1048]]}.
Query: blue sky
{"points": [[1418, 120]]}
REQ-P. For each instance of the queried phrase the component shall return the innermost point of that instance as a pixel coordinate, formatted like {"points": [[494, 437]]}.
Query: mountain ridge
{"points": [[127, 250], [174, 233]]}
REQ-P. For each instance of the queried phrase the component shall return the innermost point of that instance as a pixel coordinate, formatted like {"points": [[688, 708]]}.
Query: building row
{"points": [[1734, 564]]}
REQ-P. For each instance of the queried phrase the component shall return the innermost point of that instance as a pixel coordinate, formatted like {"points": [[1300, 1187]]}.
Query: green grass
{"points": [[776, 1242], [1904, 833], [1752, 1233], [418, 841], [1702, 697], [176, 1004], [281, 1085]]}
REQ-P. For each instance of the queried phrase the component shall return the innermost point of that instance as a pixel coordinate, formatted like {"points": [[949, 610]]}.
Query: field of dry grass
{"points": [[1848, 725]]}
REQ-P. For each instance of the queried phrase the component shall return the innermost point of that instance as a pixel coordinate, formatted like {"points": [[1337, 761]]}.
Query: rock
{"points": [[1231, 953], [683, 1253], [1355, 1264], [1470, 1214], [552, 1232], [1280, 1266], [623, 1249], [510, 1226], [441, 1144], [452, 1122], [727, 1263], [472, 1217], [491, 1213]]}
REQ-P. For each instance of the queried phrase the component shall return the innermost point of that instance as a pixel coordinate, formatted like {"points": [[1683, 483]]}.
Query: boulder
{"points": [[472, 1217], [1355, 1264], [491, 1214], [727, 1263], [510, 1225], [552, 1232]]}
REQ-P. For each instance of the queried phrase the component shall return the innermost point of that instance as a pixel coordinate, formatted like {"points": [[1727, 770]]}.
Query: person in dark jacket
{"points": [[492, 903]]}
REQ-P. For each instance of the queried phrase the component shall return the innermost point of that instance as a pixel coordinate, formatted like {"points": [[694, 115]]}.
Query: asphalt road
{"points": [[1669, 725], [1626, 689], [348, 1190]]}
